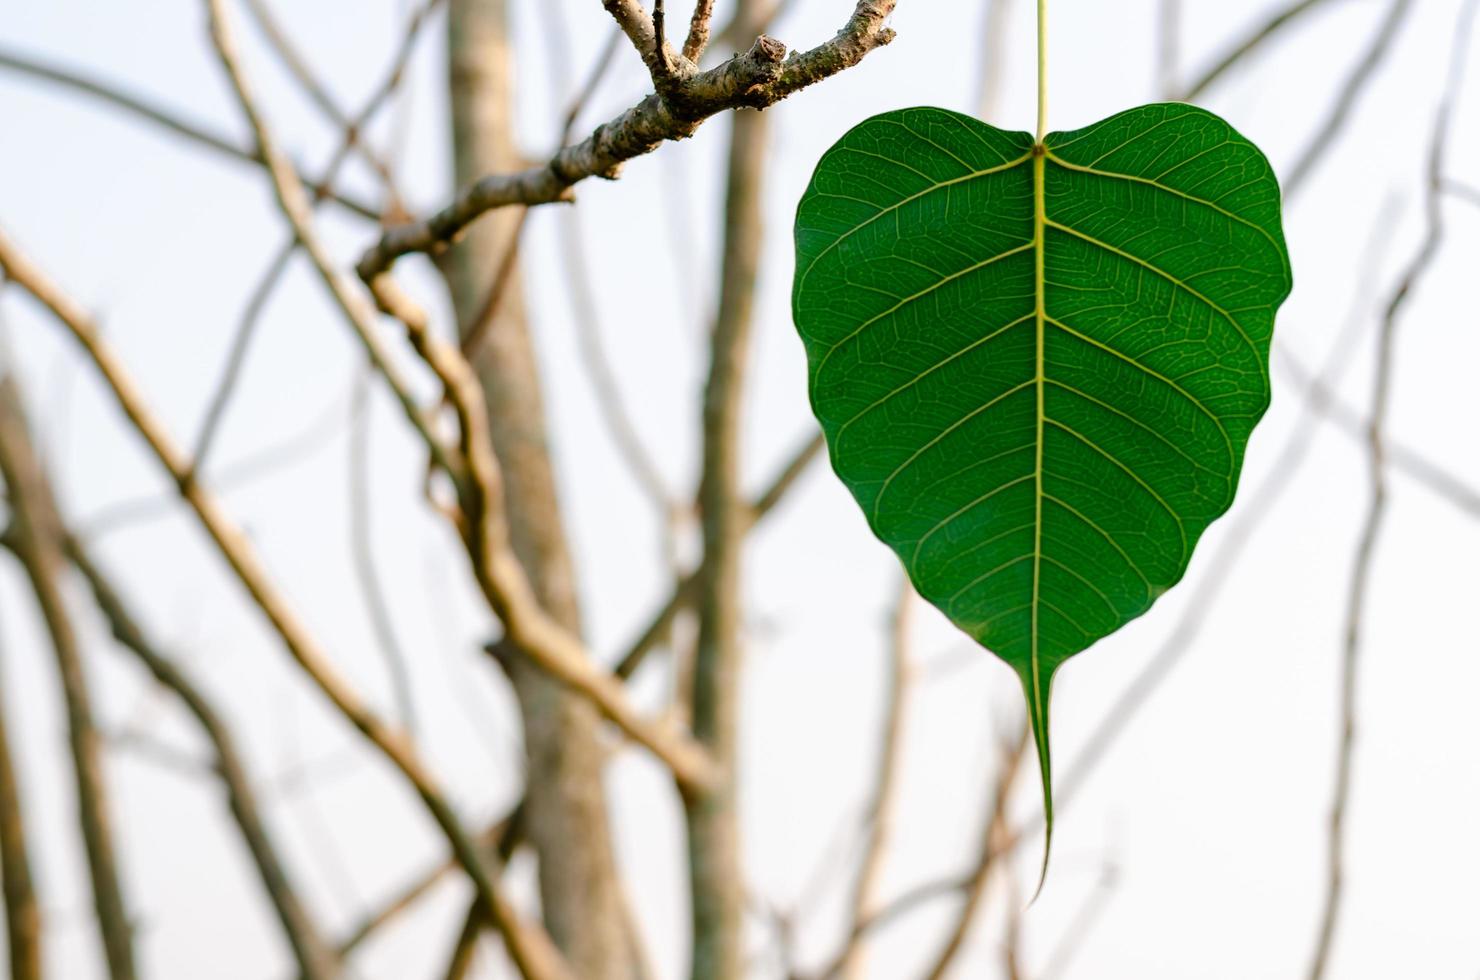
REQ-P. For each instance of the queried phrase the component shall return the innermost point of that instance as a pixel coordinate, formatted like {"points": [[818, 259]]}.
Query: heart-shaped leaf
{"points": [[1037, 366]]}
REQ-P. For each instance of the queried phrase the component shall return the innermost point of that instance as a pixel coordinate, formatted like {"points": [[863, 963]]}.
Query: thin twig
{"points": [[135, 105], [881, 807], [252, 466], [1073, 938], [1348, 96], [501, 837], [1168, 47], [995, 20], [1382, 384], [761, 77], [236, 358], [312, 954], [604, 384], [994, 840], [372, 591], [529, 945], [474, 471], [35, 540], [1463, 191], [1270, 29], [476, 331], [22, 910], [313, 86], [684, 590]]}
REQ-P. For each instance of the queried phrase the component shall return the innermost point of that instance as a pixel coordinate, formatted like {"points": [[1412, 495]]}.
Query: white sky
{"points": [[1212, 806]]}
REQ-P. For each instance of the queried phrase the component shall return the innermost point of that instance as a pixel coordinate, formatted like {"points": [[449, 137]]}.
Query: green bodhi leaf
{"points": [[1037, 365]]}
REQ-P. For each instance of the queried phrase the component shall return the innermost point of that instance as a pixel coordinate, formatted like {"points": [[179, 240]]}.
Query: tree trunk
{"points": [[716, 880], [566, 800]]}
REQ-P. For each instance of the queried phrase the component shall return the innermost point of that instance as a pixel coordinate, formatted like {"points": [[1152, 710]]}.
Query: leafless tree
{"points": [[447, 331]]}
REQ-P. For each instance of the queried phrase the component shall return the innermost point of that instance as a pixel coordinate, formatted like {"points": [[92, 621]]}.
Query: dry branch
{"points": [[1361, 574], [165, 118], [528, 945], [761, 77], [22, 910], [35, 539], [314, 958]]}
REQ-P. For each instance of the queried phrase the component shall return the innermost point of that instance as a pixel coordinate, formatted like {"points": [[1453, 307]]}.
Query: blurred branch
{"points": [[237, 355], [1075, 934], [880, 811], [529, 946], [759, 78], [1168, 48], [111, 94], [716, 877], [1401, 458], [1382, 383], [502, 838], [1347, 97], [604, 385], [1463, 191], [475, 472], [994, 842], [22, 910], [684, 590], [461, 961], [250, 467], [309, 949], [312, 86], [35, 540], [372, 591], [786, 477], [995, 20], [1285, 17]]}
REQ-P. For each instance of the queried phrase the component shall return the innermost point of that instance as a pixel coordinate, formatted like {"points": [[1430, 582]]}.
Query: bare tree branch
{"points": [[1283, 18], [314, 958], [759, 78], [361, 536], [1077, 931], [137, 106], [685, 590], [314, 87], [1382, 384], [698, 39], [22, 910], [995, 840], [35, 540], [716, 878], [991, 61], [528, 945], [1168, 47], [498, 571], [604, 384], [1348, 96], [880, 815], [236, 357]]}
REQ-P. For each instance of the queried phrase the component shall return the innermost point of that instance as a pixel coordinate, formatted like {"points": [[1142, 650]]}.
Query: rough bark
{"points": [[716, 879], [35, 539], [566, 800]]}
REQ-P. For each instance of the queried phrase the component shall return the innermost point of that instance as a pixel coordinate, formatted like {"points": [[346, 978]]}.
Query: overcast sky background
{"points": [[1211, 807]]}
